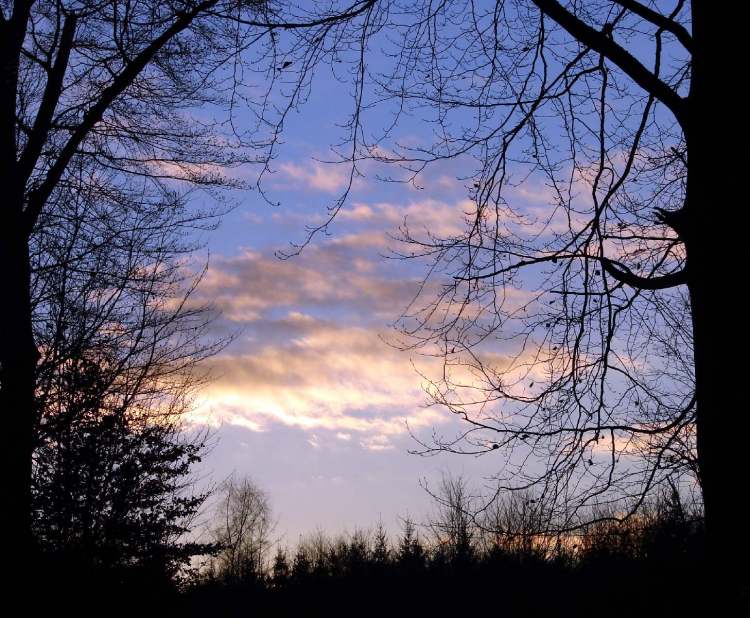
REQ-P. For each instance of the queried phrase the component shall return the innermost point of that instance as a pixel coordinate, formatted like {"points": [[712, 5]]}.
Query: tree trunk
{"points": [[18, 358], [711, 190], [18, 353]]}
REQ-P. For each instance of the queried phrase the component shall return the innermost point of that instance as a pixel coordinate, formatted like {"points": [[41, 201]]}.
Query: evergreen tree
{"points": [[112, 489], [381, 552], [280, 570]]}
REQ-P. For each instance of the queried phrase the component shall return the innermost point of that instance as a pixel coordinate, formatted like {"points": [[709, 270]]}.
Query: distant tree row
{"points": [[457, 561]]}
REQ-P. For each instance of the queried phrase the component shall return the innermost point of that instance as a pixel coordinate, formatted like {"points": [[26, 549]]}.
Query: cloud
{"points": [[338, 275], [342, 379], [325, 177], [310, 354], [439, 217], [376, 443]]}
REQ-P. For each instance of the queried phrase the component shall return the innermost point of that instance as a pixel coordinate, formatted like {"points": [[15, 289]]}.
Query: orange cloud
{"points": [[343, 379]]}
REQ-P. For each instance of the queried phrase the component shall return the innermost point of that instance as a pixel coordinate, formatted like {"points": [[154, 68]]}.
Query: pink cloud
{"points": [[342, 379], [337, 274]]}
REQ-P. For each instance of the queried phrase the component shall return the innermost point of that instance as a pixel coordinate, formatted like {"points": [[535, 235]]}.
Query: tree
{"points": [[112, 495], [453, 528], [110, 91], [280, 570], [381, 553], [119, 344], [410, 555], [514, 524], [578, 336], [244, 524]]}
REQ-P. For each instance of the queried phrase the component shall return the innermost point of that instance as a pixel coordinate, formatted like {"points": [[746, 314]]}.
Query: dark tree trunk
{"points": [[18, 358], [716, 312], [18, 353]]}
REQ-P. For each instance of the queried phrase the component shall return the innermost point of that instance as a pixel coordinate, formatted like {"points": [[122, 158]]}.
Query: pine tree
{"points": [[112, 488], [280, 570]]}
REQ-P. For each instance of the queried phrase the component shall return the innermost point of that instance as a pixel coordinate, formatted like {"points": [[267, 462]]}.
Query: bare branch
{"points": [[604, 44]]}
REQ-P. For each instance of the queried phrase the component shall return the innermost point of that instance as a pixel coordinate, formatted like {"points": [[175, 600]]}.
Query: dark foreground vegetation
{"points": [[651, 566], [646, 568]]}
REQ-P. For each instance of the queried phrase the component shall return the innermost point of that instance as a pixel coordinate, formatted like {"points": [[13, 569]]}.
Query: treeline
{"points": [[646, 565], [122, 557]]}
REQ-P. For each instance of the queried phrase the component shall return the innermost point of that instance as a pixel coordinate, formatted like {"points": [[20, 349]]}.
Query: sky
{"points": [[313, 400]]}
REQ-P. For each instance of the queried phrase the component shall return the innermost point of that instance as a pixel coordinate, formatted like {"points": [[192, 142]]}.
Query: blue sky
{"points": [[311, 399]]}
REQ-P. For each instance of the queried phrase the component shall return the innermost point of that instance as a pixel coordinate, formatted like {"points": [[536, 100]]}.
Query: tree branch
{"points": [[356, 9], [606, 46], [12, 33], [663, 22], [121, 82], [48, 105], [628, 277]]}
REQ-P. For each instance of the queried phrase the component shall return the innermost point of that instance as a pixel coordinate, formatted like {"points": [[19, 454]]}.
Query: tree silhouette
{"points": [[654, 554], [578, 332], [410, 555], [580, 341], [112, 495], [119, 343], [106, 93], [280, 570], [380, 550], [453, 527], [242, 531]]}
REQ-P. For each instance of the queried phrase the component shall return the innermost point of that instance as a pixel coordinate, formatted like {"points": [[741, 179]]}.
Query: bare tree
{"points": [[516, 523], [119, 344], [454, 528], [582, 337], [579, 333], [123, 94], [243, 529]]}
